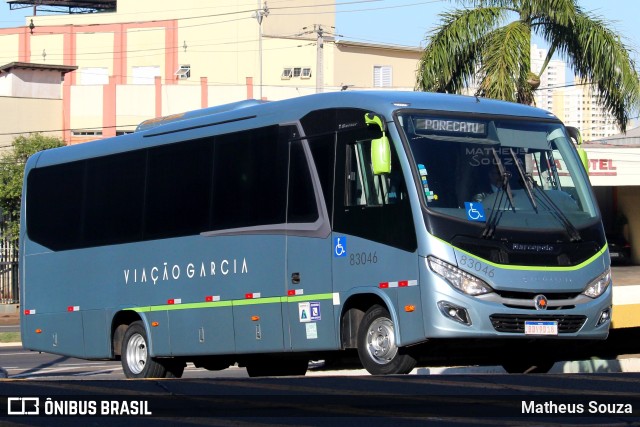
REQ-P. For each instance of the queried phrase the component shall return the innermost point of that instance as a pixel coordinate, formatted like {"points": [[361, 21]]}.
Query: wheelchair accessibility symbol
{"points": [[475, 211], [340, 246]]}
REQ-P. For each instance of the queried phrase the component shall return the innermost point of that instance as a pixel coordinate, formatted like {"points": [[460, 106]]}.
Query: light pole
{"points": [[319, 58], [261, 13]]}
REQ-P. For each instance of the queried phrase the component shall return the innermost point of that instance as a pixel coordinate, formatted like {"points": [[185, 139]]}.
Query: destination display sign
{"points": [[451, 126]]}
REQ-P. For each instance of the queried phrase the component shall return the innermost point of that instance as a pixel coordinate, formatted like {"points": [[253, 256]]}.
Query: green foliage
{"points": [[487, 43], [12, 164]]}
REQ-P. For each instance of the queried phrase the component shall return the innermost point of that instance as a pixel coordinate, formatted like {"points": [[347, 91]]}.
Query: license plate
{"points": [[614, 254], [540, 327]]}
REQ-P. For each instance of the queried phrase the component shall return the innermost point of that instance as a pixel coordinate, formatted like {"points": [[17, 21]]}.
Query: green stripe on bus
{"points": [[532, 267], [299, 298], [238, 302]]}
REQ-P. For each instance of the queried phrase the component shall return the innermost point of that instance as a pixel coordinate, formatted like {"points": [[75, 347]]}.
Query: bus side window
{"points": [[323, 152], [301, 206], [374, 207]]}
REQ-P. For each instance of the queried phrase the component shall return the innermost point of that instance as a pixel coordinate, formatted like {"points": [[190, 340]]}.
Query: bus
{"points": [[269, 234]]}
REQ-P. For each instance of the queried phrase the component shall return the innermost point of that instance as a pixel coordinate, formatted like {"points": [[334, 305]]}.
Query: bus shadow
{"points": [[36, 371]]}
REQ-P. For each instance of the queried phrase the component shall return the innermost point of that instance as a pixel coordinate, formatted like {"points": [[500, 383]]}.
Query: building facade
{"points": [[192, 56]]}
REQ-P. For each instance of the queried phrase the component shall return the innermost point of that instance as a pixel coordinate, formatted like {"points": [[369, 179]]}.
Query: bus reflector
{"points": [[292, 292], [212, 298], [38, 331], [409, 308], [255, 318], [154, 324], [174, 301], [399, 284], [73, 308], [252, 295], [28, 312]]}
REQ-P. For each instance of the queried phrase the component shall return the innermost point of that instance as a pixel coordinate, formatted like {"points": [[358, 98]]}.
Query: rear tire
{"points": [[136, 362], [378, 347]]}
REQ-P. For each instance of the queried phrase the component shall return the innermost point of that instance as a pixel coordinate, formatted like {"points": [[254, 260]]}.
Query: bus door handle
{"points": [[295, 278]]}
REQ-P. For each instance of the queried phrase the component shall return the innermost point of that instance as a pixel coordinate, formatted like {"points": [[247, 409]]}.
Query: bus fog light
{"points": [[598, 285], [605, 315], [454, 312], [461, 280]]}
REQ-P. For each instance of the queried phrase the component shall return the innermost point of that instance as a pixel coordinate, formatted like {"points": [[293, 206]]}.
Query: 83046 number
{"points": [[477, 266], [363, 258]]}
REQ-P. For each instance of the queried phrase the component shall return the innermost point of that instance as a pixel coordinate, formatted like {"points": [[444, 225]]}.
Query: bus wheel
{"points": [[136, 362], [377, 345]]}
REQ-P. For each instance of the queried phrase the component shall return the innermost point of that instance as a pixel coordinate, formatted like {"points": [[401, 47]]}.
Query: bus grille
{"points": [[514, 323]]}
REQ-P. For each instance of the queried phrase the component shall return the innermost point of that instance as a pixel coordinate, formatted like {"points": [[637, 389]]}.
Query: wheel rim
{"points": [[136, 353], [381, 341]]}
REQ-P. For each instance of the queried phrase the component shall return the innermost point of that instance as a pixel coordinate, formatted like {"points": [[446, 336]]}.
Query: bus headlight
{"points": [[599, 285], [461, 280]]}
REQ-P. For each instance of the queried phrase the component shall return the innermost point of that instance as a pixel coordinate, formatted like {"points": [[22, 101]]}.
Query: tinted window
{"points": [[323, 151], [178, 189], [302, 200], [250, 176], [54, 203], [229, 181], [114, 199]]}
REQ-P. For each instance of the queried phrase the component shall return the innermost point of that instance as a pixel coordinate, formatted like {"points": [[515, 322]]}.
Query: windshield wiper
{"points": [[505, 177], [556, 212], [528, 185], [505, 187]]}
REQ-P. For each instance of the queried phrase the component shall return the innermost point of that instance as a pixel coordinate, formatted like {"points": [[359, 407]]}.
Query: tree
{"points": [[480, 43], [12, 173]]}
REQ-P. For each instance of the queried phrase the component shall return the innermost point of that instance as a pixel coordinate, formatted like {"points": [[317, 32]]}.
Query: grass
{"points": [[9, 337]]}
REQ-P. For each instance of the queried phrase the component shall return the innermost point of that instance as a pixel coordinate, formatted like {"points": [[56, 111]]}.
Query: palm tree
{"points": [[480, 43]]}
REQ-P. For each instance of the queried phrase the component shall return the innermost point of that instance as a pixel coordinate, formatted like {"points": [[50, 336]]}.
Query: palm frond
{"points": [[598, 55], [506, 62], [454, 50]]}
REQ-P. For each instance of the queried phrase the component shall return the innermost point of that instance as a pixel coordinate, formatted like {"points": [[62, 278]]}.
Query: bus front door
{"points": [[309, 307]]}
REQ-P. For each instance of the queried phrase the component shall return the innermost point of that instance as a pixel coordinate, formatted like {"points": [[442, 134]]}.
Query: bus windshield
{"points": [[505, 173]]}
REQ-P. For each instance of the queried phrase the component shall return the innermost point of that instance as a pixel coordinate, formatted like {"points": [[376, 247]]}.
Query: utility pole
{"points": [[261, 13], [319, 58]]}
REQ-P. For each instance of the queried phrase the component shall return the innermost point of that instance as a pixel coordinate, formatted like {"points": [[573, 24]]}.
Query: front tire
{"points": [[378, 347], [136, 362]]}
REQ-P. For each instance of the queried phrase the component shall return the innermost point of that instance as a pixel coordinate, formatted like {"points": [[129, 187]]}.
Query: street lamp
{"points": [[261, 13]]}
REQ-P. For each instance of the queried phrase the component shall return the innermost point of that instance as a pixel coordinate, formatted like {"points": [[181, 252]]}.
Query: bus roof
{"points": [[261, 113]]}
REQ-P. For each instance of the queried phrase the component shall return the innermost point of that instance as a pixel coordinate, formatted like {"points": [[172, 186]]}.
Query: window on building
{"points": [[94, 76], [382, 76], [86, 132], [145, 75], [287, 73], [299, 72]]}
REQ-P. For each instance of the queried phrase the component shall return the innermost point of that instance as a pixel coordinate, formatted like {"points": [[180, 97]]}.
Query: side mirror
{"points": [[380, 147], [574, 133]]}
